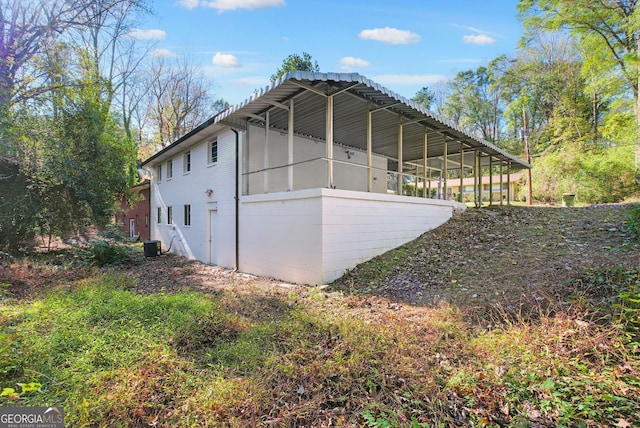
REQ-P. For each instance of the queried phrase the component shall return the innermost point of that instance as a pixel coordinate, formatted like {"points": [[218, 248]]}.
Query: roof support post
{"points": [[425, 191], [369, 149], [490, 180], [266, 164], [399, 181], [475, 177], [501, 185], [290, 149], [508, 183], [329, 137], [461, 172], [480, 179], [445, 169]]}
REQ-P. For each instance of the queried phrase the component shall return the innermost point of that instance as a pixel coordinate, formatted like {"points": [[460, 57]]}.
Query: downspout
{"points": [[237, 201]]}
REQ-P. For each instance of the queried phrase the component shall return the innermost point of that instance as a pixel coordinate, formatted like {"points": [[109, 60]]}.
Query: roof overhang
{"points": [[354, 96]]}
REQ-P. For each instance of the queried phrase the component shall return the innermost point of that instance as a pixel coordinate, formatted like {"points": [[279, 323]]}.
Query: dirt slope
{"points": [[506, 255]]}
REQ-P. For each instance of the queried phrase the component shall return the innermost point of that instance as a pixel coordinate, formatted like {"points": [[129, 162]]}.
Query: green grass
{"points": [[112, 357]]}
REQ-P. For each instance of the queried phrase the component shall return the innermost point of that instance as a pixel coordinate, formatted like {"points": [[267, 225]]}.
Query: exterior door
{"points": [[213, 245], [132, 228]]}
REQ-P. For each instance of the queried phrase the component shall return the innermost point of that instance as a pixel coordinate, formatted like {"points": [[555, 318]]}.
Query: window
{"points": [[169, 215], [159, 215], [146, 219], [187, 215], [213, 151], [159, 173], [187, 162], [137, 223], [169, 168]]}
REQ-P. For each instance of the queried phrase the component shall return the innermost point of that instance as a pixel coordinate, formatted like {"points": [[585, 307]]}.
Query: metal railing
{"points": [[312, 173]]}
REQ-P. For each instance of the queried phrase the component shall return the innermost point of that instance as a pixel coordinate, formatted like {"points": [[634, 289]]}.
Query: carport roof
{"points": [[354, 95]]}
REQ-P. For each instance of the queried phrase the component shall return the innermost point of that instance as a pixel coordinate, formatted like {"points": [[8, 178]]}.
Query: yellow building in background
{"points": [[514, 183]]}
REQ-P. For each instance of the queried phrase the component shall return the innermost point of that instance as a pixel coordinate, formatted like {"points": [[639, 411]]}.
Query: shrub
{"points": [[633, 222], [108, 249]]}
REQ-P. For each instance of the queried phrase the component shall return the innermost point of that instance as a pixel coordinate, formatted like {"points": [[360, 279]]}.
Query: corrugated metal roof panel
{"points": [[354, 94]]}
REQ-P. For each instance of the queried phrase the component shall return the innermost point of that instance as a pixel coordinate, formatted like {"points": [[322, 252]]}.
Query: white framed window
{"points": [[159, 173], [159, 215], [187, 162], [169, 215], [187, 215], [213, 151], [169, 169]]}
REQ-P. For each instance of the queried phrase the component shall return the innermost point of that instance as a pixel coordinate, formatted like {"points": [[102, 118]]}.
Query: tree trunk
{"points": [[595, 118]]}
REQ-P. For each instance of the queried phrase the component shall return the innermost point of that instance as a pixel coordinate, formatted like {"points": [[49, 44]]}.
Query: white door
{"points": [[132, 228], [213, 245]]}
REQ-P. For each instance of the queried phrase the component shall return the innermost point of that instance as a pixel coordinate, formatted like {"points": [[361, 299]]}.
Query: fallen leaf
{"points": [[622, 423]]}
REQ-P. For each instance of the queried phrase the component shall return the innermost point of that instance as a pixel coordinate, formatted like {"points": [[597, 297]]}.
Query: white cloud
{"points": [[409, 79], [189, 4], [350, 62], [163, 53], [478, 39], [390, 35], [224, 5], [481, 37], [225, 60], [139, 34]]}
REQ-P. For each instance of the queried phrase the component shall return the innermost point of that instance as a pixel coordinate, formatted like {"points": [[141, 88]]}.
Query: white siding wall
{"points": [[313, 236], [189, 188], [311, 174]]}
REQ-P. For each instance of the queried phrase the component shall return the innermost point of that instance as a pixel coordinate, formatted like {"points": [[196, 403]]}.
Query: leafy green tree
{"points": [[425, 97], [92, 162], [296, 62], [474, 103], [545, 83], [608, 32]]}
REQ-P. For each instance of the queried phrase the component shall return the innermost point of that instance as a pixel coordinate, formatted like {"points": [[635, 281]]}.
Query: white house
{"points": [[258, 188]]}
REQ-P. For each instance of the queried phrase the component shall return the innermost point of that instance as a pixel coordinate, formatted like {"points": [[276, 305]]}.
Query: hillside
{"points": [[511, 256]]}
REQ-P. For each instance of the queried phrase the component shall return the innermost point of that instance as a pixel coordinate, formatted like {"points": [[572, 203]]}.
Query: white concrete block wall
{"points": [[281, 235], [313, 236], [359, 226]]}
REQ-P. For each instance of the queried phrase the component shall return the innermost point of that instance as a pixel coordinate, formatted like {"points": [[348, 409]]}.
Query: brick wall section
{"points": [[140, 214]]}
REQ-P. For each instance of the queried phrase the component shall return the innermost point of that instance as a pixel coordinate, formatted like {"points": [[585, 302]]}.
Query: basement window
{"points": [[187, 215]]}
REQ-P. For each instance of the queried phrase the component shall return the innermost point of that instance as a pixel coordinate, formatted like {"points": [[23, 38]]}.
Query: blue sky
{"points": [[401, 44]]}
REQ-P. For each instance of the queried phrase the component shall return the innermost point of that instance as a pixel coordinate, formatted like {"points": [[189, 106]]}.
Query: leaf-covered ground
{"points": [[511, 256]]}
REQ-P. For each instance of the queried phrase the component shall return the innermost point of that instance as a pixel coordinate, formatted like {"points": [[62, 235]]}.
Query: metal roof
{"points": [[354, 95]]}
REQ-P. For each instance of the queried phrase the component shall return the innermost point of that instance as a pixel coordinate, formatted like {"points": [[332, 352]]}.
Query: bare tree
{"points": [[116, 54], [179, 99], [26, 29]]}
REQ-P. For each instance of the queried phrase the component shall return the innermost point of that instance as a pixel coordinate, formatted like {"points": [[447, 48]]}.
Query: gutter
{"points": [[237, 200]]}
